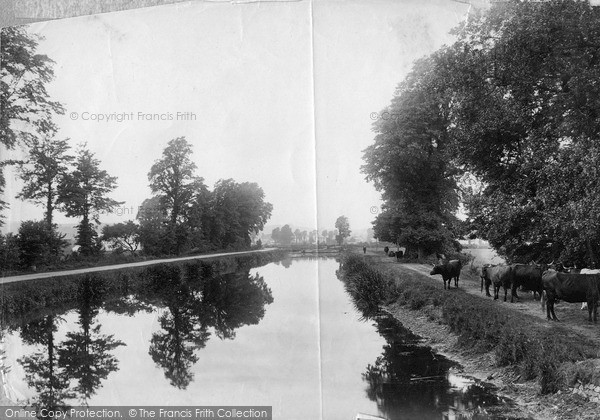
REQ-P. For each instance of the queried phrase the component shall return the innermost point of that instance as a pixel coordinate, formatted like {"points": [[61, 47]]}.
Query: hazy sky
{"points": [[278, 93]]}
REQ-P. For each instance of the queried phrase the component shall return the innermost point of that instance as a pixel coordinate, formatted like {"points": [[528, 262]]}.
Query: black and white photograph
{"points": [[301, 209]]}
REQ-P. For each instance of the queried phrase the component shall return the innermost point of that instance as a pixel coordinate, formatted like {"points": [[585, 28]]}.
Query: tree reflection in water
{"points": [[192, 300], [409, 381], [223, 302], [75, 367], [43, 372], [86, 354]]}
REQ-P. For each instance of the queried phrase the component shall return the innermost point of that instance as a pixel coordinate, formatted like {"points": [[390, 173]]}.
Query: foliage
{"points": [[122, 236], [26, 108], [172, 179], [39, 244], [236, 211], [343, 227], [286, 235], [47, 164], [83, 193], [9, 252], [409, 164], [525, 121]]}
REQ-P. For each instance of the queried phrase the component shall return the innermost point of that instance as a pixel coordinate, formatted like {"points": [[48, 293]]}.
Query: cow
{"points": [[529, 277], [386, 250], [499, 276], [584, 305], [449, 271], [391, 254], [399, 254], [364, 249], [570, 288]]}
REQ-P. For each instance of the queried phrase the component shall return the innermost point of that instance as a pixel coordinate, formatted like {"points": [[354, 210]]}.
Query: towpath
{"points": [[35, 276]]}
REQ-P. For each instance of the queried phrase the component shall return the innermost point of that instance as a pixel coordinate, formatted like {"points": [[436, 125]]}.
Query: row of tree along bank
{"points": [[182, 216], [548, 354], [285, 235], [506, 122]]}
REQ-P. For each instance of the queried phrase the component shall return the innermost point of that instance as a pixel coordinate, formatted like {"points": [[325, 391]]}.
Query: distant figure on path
{"points": [[364, 249]]}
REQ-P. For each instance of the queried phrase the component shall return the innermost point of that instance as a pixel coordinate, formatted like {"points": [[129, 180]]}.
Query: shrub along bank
{"points": [[548, 355]]}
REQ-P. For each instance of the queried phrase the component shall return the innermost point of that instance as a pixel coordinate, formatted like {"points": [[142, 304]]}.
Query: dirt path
{"points": [[570, 314], [36, 276]]}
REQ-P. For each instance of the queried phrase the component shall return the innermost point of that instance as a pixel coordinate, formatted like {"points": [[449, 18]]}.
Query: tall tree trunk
{"points": [[49, 205]]}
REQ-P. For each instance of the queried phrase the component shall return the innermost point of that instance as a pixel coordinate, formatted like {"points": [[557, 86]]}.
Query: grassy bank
{"points": [[21, 301], [550, 354]]}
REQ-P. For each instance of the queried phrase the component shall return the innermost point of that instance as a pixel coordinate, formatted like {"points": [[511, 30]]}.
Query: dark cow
{"points": [[584, 305], [386, 249], [364, 249], [449, 271], [399, 254], [391, 254], [499, 276], [570, 288], [529, 277]]}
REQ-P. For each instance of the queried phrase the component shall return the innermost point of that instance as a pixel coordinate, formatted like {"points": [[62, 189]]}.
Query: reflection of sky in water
{"points": [[302, 347]]}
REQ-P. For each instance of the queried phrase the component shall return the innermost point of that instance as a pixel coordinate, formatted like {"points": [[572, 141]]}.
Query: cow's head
{"points": [[437, 269]]}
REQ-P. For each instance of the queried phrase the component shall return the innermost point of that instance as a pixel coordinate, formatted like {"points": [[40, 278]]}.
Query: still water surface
{"points": [[281, 335]]}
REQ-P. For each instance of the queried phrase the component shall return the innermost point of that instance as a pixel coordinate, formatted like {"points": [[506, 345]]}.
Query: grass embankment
{"points": [[551, 355], [22, 301]]}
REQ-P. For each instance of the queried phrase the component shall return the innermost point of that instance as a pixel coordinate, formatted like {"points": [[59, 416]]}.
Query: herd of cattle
{"points": [[551, 282]]}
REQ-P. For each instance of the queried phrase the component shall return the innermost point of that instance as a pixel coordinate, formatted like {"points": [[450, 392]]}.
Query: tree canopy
{"points": [[515, 103]]}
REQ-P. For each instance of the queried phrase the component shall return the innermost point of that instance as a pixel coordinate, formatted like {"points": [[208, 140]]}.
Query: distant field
{"points": [[484, 256]]}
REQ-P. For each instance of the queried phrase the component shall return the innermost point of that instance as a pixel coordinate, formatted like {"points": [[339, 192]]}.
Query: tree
{"points": [[410, 162], [275, 234], [122, 236], [26, 107], [237, 210], [286, 236], [153, 229], [172, 179], [47, 164], [9, 252], [343, 227], [38, 244], [524, 120], [297, 235], [83, 193]]}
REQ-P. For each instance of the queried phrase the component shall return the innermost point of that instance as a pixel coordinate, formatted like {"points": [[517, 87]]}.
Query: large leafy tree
{"points": [[27, 109], [237, 210], [84, 193], [47, 164], [409, 163], [172, 179], [525, 120]]}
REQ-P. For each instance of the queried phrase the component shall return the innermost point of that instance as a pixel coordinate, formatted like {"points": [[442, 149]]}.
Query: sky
{"points": [[278, 93]]}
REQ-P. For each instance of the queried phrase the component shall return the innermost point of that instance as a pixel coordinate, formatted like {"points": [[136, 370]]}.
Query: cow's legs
{"points": [[505, 292], [592, 310], [456, 281], [487, 288], [550, 308], [496, 291]]}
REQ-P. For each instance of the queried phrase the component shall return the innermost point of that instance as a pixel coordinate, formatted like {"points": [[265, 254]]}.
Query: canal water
{"points": [[284, 335]]}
